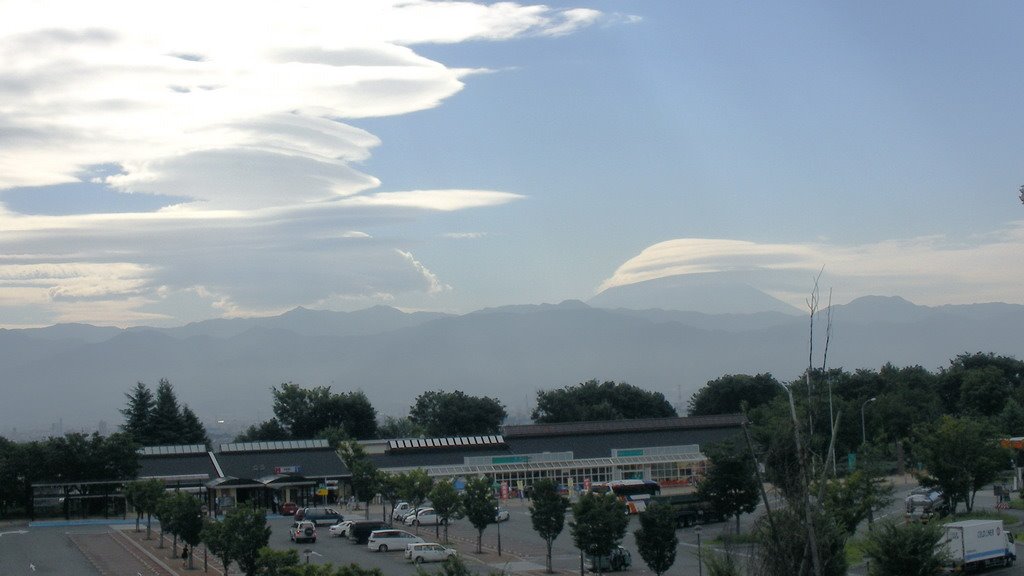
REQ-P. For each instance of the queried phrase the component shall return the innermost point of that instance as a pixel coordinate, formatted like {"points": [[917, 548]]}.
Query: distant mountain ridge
{"points": [[712, 293], [224, 369]]}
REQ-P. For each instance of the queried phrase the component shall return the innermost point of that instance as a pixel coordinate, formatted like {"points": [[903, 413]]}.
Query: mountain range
{"points": [[76, 374]]}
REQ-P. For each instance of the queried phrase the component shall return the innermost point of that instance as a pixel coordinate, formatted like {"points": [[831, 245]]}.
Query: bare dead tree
{"points": [[832, 419]]}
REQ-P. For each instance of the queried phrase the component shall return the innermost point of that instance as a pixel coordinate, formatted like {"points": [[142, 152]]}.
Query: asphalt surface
{"points": [[105, 551]]}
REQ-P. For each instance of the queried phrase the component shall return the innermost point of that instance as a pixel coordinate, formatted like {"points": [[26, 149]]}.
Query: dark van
{"points": [[360, 530], [319, 515]]}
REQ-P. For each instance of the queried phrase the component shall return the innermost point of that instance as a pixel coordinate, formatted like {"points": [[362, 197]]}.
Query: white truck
{"points": [[977, 544]]}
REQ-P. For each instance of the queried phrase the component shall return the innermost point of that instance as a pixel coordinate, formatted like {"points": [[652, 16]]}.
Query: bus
{"points": [[635, 493]]}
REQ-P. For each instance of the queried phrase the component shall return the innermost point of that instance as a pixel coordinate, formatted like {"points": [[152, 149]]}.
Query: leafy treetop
{"points": [[599, 401], [441, 414]]}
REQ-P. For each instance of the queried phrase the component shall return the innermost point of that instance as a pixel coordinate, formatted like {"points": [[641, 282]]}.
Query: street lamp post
{"points": [[863, 430], [700, 554]]}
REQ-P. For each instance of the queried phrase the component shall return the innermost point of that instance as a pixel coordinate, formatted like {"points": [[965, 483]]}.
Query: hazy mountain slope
{"points": [[310, 323], [717, 293], [504, 353]]}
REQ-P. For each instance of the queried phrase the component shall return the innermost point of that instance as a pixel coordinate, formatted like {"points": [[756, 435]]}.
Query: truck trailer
{"points": [[976, 544]]}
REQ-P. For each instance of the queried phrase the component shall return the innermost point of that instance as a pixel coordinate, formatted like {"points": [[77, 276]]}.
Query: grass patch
{"points": [[1008, 519], [854, 551], [1017, 504], [732, 539]]}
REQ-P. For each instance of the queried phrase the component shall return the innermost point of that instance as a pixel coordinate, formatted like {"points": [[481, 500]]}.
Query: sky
{"points": [[159, 167]]}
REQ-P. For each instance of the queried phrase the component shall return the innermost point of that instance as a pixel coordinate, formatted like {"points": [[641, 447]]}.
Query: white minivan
{"points": [[384, 540], [428, 552]]}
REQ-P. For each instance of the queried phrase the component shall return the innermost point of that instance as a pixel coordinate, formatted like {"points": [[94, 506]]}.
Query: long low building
{"points": [[309, 472], [666, 450]]}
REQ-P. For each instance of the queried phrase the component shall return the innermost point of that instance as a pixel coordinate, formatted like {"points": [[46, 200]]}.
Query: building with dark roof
{"points": [[575, 454], [667, 450], [263, 473]]}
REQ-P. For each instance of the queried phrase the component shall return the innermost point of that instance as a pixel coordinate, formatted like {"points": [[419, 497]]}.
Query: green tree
{"points": [[853, 499], [898, 549], [249, 532], [266, 431], [144, 495], [479, 503], [547, 513], [192, 430], [131, 491], [404, 427], [138, 414], [978, 383], [166, 417], [730, 484], [414, 486], [784, 551], [390, 487], [605, 401], [305, 412], [656, 538], [272, 562], [447, 504], [599, 523], [441, 414], [164, 512], [452, 566], [219, 542], [364, 473], [960, 456], [727, 395], [1011, 419], [187, 520]]}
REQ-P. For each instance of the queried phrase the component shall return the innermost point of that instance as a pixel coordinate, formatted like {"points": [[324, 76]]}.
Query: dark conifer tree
{"points": [[138, 414]]}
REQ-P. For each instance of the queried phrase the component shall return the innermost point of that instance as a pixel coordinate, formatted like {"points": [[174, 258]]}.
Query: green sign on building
{"points": [[509, 459]]}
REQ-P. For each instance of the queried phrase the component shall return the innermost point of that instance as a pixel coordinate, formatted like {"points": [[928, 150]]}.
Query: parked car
{"points": [[302, 531], [619, 559], [384, 540], [501, 515], [360, 530], [341, 528], [288, 509], [428, 552], [401, 510], [423, 517], [319, 515]]}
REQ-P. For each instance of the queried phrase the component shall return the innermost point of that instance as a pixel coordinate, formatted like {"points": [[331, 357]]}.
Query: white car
{"points": [[384, 540], [401, 510], [340, 529], [302, 531], [428, 552], [423, 517], [501, 515]]}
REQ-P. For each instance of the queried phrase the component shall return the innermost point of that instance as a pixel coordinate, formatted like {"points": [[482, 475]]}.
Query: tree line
{"points": [[301, 413], [826, 440]]}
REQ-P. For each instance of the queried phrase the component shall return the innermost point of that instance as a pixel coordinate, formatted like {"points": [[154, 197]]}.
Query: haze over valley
{"points": [[76, 375]]}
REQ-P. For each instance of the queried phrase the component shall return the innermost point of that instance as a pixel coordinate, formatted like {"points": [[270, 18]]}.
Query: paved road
{"points": [[112, 553], [53, 550], [38, 551]]}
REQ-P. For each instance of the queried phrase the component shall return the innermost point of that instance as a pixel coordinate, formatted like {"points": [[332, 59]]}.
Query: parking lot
{"points": [[58, 549]]}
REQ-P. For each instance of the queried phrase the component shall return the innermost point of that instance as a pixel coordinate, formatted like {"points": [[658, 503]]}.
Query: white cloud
{"points": [[441, 200], [465, 235], [932, 270], [245, 111], [157, 89], [434, 286]]}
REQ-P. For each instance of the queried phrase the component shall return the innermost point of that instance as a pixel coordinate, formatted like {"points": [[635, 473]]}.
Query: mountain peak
{"points": [[712, 293]]}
